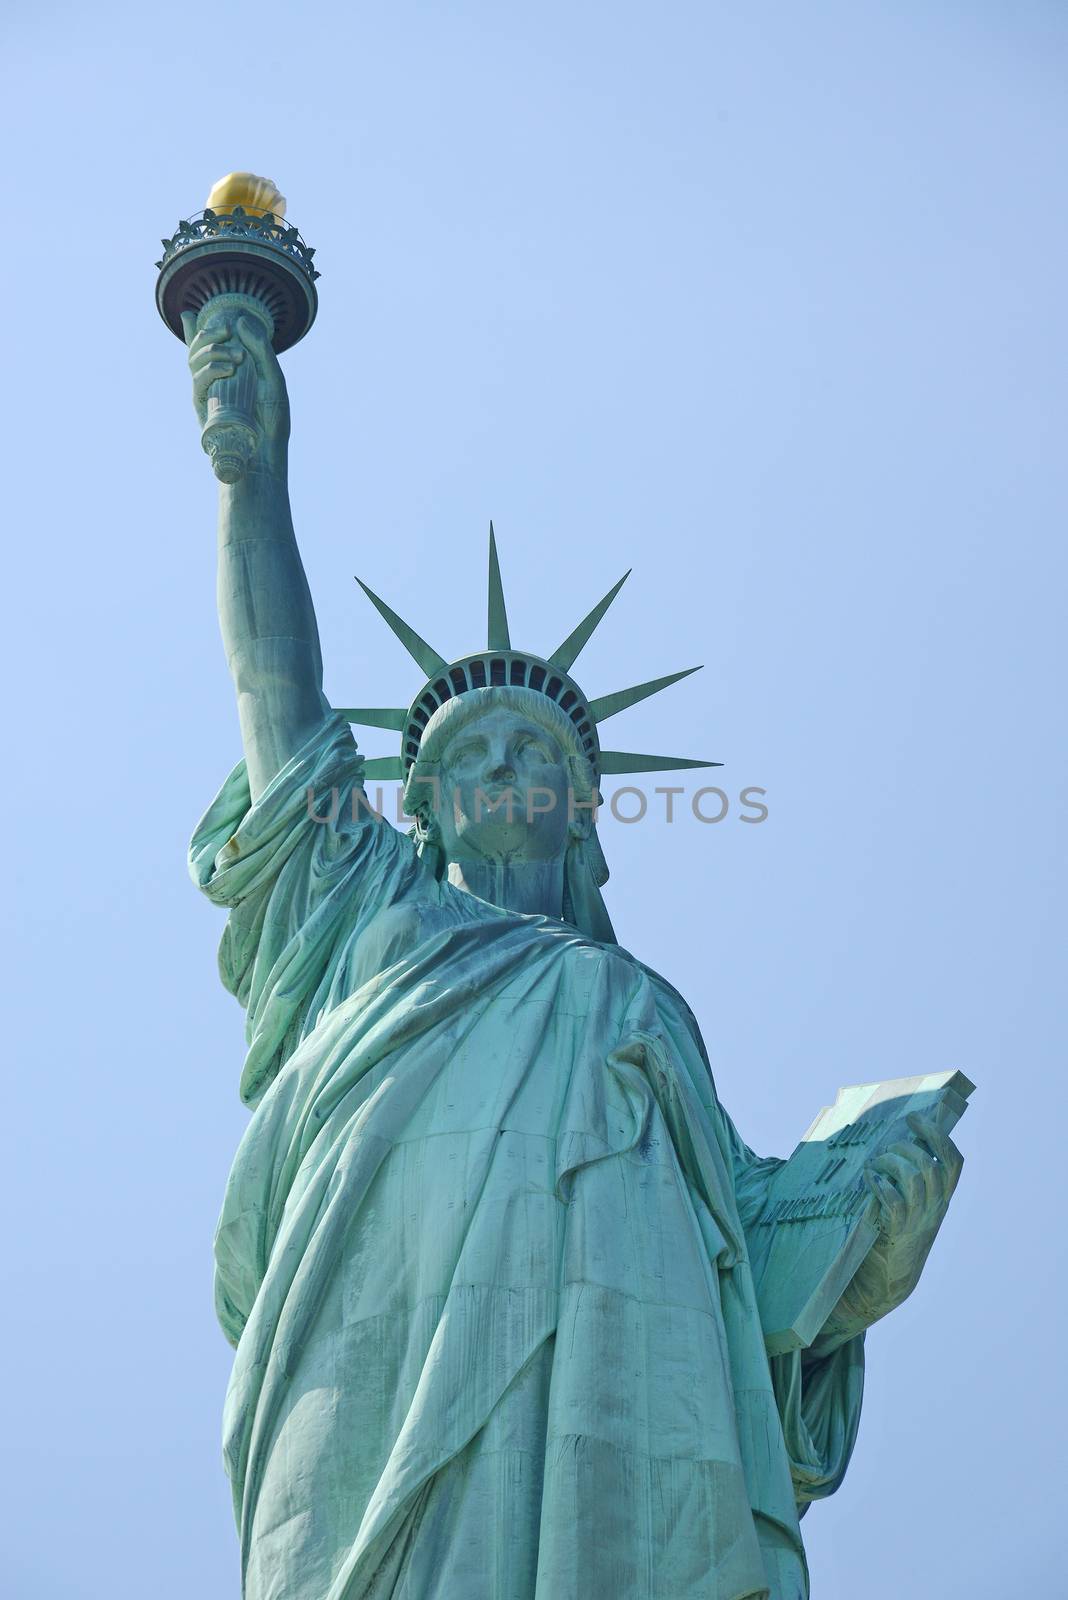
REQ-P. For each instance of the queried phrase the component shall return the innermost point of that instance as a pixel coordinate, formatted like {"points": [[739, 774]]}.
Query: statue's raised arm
{"points": [[265, 606]]}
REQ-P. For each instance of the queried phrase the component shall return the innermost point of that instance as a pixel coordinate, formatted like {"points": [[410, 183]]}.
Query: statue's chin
{"points": [[516, 843]]}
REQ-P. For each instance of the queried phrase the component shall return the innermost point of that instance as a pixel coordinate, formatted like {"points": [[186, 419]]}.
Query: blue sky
{"points": [[763, 301]]}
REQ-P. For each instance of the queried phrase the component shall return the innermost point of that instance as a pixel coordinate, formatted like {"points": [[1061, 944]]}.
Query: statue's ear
{"points": [[421, 800], [426, 831], [426, 828]]}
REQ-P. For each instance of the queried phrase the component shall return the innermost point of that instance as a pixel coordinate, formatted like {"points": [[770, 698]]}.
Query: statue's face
{"points": [[504, 791]]}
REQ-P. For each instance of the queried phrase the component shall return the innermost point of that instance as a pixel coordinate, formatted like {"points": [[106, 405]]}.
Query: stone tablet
{"points": [[816, 1225]]}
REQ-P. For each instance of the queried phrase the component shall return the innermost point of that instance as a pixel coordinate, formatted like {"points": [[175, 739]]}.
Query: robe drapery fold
{"points": [[482, 1252]]}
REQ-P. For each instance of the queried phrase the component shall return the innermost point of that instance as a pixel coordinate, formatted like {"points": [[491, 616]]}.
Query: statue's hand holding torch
{"points": [[239, 390], [237, 284]]}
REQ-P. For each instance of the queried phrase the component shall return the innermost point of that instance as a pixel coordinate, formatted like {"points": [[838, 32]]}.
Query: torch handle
{"points": [[230, 435]]}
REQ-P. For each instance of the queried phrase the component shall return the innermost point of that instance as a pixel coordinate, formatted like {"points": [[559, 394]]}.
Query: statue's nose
{"points": [[500, 770]]}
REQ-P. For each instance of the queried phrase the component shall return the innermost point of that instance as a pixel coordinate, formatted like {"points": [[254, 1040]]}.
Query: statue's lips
{"points": [[501, 795]]}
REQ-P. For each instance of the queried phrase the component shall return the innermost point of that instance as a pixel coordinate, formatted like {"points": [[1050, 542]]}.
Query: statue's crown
{"points": [[499, 665]]}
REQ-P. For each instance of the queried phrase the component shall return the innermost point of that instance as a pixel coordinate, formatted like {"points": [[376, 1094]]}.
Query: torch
{"points": [[238, 258]]}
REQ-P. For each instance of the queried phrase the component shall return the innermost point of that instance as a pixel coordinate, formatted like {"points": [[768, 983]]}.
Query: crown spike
{"points": [[386, 767], [497, 637], [416, 647], [618, 761], [609, 704], [565, 655], [392, 717]]}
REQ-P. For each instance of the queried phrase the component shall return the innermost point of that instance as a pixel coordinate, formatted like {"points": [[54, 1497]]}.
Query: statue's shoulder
{"points": [[401, 927], [671, 1003]]}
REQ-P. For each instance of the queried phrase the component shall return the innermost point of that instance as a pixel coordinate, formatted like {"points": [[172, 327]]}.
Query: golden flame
{"points": [[256, 195]]}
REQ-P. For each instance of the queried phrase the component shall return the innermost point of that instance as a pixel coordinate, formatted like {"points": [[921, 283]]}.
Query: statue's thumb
{"points": [[189, 325]]}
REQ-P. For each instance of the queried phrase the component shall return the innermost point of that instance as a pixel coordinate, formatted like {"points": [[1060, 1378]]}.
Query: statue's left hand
{"points": [[912, 1184]]}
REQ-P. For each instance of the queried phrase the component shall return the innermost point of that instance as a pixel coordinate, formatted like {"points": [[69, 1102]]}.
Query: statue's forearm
{"points": [[268, 623]]}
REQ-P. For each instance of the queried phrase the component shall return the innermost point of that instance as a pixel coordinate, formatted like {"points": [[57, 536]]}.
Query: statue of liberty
{"points": [[485, 1250]]}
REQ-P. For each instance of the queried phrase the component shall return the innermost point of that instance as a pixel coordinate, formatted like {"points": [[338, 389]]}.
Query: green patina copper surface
{"points": [[487, 1250]]}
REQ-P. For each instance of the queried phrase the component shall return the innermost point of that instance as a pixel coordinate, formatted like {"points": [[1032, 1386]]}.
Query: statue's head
{"points": [[501, 773], [500, 753]]}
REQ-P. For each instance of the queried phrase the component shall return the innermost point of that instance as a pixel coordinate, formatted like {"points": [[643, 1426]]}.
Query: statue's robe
{"points": [[482, 1253]]}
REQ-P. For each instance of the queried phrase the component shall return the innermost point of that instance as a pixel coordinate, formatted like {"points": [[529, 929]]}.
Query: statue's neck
{"points": [[531, 887]]}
